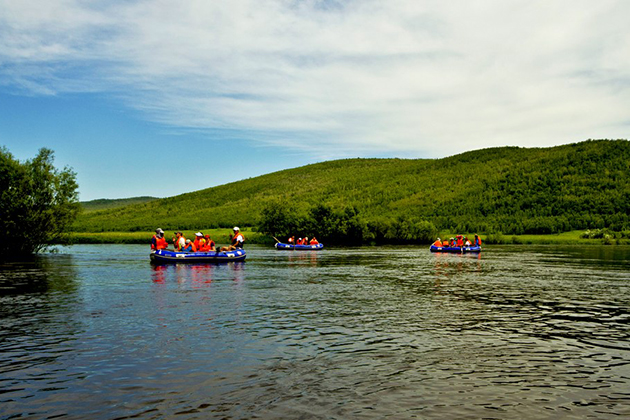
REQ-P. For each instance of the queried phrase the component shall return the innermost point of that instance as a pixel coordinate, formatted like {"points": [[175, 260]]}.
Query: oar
{"points": [[276, 239]]}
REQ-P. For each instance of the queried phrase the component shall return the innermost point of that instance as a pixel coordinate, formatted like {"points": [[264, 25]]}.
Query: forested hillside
{"points": [[509, 189], [103, 203]]}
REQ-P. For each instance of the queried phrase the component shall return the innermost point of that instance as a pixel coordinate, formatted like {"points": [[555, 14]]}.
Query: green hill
{"points": [[508, 189], [104, 203]]}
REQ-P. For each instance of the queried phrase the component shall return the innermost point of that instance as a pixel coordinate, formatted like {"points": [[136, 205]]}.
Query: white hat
{"points": [[236, 228], [159, 230], [198, 234]]}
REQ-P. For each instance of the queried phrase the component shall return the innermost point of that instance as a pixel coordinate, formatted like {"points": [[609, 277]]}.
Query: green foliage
{"points": [[38, 203], [103, 204], [342, 226], [512, 190]]}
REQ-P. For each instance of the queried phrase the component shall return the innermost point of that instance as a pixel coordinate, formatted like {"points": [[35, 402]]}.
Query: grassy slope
{"points": [[496, 184], [104, 204]]}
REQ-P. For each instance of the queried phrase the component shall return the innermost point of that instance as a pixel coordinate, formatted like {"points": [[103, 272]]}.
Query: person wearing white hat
{"points": [[237, 239], [200, 241]]}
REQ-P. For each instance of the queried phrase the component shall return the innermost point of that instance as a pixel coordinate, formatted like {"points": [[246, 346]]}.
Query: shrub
{"points": [[38, 203]]}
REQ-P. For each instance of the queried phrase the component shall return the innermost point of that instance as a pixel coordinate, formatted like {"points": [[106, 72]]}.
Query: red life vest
{"points": [[460, 241]]}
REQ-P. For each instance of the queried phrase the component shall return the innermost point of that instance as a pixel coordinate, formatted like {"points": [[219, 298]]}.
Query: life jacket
{"points": [[235, 242], [460, 241], [208, 245], [199, 243], [180, 243], [314, 241], [437, 243], [160, 243], [477, 241], [445, 243]]}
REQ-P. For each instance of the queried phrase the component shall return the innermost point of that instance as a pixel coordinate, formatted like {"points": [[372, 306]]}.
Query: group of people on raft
{"points": [[202, 243], [302, 241], [459, 241]]}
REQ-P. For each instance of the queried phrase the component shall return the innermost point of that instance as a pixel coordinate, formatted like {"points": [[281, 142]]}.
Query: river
{"points": [[538, 332]]}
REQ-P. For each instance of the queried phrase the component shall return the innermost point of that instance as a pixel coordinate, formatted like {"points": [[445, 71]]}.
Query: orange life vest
{"points": [[437, 243], [160, 243], [234, 241], [178, 241], [208, 245]]}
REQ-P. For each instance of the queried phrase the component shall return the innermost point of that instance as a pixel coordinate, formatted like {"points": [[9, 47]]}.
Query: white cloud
{"points": [[339, 77]]}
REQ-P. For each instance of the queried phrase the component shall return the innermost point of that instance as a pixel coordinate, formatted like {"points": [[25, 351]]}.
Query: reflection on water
{"points": [[376, 332]]}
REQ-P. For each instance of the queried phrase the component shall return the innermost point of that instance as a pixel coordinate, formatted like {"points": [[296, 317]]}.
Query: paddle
{"points": [[275, 239]]}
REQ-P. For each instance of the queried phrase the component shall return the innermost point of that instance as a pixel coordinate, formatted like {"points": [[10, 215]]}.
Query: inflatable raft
{"points": [[456, 249], [280, 245], [163, 256]]}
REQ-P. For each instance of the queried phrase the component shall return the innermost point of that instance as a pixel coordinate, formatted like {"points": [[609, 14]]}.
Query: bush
{"points": [[38, 203]]}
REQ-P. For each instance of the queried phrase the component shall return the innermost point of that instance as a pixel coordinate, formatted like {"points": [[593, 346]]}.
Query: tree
{"points": [[38, 203], [277, 219]]}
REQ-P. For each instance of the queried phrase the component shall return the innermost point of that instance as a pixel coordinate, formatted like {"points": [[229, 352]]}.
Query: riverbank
{"points": [[576, 237], [221, 236]]}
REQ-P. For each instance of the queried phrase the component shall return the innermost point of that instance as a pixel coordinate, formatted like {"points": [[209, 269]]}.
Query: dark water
{"points": [[358, 333]]}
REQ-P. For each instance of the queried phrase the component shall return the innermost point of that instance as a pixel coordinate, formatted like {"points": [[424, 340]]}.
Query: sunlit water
{"points": [[526, 332]]}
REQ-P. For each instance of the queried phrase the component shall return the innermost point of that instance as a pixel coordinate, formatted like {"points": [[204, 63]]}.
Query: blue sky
{"points": [[162, 97]]}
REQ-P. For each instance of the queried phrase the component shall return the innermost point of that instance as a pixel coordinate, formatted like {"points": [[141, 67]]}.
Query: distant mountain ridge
{"points": [[505, 189]]}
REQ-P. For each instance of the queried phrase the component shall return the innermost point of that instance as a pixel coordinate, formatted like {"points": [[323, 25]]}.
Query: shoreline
{"points": [[221, 236]]}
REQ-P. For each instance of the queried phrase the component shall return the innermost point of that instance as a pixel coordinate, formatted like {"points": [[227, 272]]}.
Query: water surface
{"points": [[355, 333]]}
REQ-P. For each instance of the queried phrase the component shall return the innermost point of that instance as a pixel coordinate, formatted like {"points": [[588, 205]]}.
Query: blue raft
{"points": [[280, 245], [456, 249], [163, 256]]}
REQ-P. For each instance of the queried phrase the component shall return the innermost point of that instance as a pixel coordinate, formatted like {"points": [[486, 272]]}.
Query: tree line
{"points": [[341, 226]]}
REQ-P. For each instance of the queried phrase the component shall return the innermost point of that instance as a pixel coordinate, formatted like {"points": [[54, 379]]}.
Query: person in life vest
{"points": [[437, 243], [291, 240], [477, 240], [189, 246], [179, 241], [158, 241], [200, 241], [445, 243], [237, 239], [314, 241], [209, 245], [467, 241], [460, 241]]}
